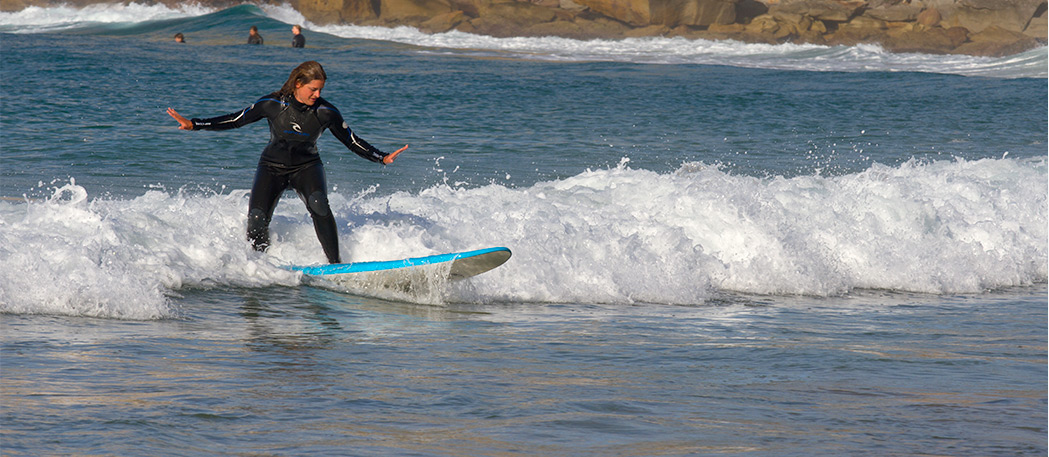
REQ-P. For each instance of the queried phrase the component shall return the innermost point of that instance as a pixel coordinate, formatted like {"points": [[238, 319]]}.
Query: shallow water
{"points": [[304, 370]]}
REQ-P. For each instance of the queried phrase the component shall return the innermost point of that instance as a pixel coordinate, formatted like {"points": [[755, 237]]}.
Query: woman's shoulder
{"points": [[324, 106], [272, 97]]}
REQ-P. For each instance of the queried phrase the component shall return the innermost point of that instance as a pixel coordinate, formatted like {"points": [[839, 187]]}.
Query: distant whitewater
{"points": [[651, 50]]}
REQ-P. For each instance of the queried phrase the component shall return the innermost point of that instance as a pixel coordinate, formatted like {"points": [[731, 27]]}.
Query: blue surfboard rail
{"points": [[360, 267]]}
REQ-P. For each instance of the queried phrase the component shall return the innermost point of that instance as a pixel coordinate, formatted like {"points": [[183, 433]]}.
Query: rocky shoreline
{"points": [[972, 27]]}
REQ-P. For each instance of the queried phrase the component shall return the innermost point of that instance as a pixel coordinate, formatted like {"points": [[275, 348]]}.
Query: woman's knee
{"points": [[318, 204]]}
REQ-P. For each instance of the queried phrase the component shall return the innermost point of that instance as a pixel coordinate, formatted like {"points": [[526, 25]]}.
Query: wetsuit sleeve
{"points": [[360, 147], [234, 120]]}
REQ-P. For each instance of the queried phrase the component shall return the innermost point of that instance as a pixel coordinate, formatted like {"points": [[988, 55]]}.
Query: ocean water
{"points": [[719, 248]]}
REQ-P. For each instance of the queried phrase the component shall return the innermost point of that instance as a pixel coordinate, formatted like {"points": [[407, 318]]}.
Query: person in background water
{"points": [[253, 36], [297, 41], [179, 38], [297, 116]]}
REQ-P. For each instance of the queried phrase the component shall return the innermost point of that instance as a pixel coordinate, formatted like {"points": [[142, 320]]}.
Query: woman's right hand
{"points": [[183, 123]]}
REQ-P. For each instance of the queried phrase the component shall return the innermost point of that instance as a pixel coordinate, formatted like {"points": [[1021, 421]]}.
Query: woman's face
{"points": [[308, 93]]}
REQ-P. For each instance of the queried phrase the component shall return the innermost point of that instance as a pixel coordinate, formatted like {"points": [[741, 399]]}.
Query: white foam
{"points": [[70, 255], [627, 235], [619, 235], [35, 19]]}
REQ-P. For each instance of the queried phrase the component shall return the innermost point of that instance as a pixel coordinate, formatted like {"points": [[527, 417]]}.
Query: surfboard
{"points": [[407, 275]]}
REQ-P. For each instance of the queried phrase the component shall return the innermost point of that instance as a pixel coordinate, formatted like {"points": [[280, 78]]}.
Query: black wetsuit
{"points": [[291, 160], [298, 41], [255, 39]]}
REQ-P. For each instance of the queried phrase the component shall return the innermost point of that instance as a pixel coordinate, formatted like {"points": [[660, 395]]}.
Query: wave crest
{"points": [[617, 235]]}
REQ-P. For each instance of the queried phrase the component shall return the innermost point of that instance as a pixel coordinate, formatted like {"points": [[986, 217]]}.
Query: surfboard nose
{"points": [[472, 266]]}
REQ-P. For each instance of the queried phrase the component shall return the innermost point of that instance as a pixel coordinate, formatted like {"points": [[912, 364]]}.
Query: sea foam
{"points": [[35, 19], [618, 235]]}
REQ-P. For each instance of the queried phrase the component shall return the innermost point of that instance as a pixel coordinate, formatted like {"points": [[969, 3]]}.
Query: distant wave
{"points": [[650, 50], [35, 19]]}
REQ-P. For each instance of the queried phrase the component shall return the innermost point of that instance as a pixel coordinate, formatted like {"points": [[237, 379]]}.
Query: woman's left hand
{"points": [[393, 155]]}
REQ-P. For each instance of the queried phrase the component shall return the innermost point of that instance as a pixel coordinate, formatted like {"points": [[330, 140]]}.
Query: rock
{"points": [[775, 29], [923, 40], [520, 13], [725, 28], [486, 25], [865, 23], [546, 3], [652, 30], [762, 25], [749, 9], [859, 30], [601, 27], [881, 4], [1038, 27], [471, 8], [894, 13], [570, 5], [633, 12], [408, 11], [567, 29], [702, 13], [443, 22], [683, 31], [514, 19], [467, 27], [824, 10], [995, 41], [671, 13], [818, 27], [13, 5], [930, 17], [958, 35], [336, 11], [978, 15]]}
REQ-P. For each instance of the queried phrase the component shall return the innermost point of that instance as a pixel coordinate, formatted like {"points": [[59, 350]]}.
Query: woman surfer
{"points": [[297, 115]]}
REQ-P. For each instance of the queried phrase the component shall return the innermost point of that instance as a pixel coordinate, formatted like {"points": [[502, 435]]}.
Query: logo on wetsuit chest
{"points": [[297, 130], [293, 123]]}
